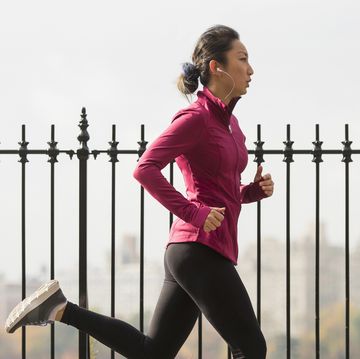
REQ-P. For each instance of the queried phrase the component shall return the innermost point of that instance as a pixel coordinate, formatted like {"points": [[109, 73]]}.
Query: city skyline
{"points": [[44, 267]]}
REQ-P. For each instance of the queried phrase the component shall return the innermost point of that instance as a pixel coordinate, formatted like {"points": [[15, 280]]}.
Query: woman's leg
{"points": [[173, 319], [215, 286], [114, 333]]}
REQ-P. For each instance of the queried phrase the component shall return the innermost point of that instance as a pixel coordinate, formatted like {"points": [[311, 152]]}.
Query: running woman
{"points": [[208, 145]]}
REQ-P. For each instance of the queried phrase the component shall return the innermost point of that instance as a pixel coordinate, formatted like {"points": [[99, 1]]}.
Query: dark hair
{"points": [[212, 45]]}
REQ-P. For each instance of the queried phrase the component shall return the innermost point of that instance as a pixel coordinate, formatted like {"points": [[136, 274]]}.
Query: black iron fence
{"points": [[83, 153]]}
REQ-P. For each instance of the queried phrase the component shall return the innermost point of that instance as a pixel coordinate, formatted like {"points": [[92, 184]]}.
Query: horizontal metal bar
{"points": [[47, 152], [303, 152], [267, 152]]}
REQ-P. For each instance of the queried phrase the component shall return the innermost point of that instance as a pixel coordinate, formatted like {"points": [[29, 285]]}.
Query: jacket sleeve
{"points": [[251, 192], [182, 135]]}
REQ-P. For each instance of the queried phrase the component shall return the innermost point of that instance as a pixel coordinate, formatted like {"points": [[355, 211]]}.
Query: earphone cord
{"points": [[232, 81]]}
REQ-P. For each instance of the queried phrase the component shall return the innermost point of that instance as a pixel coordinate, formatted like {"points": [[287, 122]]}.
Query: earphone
{"points": [[220, 70]]}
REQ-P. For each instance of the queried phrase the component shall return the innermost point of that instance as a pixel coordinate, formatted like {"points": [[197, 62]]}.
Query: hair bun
{"points": [[190, 71]]}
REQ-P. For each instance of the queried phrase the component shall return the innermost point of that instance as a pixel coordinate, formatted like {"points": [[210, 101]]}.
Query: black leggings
{"points": [[196, 277]]}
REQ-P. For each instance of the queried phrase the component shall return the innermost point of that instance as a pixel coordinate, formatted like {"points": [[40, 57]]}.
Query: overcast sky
{"points": [[121, 60]]}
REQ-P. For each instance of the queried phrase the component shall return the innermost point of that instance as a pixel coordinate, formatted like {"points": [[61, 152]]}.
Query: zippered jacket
{"points": [[209, 148]]}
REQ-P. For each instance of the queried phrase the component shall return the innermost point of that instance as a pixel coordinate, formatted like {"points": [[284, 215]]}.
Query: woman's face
{"points": [[238, 68]]}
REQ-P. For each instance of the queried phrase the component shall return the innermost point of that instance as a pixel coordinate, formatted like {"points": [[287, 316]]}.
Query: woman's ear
{"points": [[213, 65]]}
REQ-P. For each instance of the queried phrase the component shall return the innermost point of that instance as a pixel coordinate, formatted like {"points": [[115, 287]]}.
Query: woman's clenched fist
{"points": [[214, 219]]}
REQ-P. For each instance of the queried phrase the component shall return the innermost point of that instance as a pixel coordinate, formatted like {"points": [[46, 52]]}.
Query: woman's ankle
{"points": [[60, 313]]}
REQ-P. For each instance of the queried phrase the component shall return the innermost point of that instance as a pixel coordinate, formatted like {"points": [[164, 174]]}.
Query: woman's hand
{"points": [[266, 183], [214, 219]]}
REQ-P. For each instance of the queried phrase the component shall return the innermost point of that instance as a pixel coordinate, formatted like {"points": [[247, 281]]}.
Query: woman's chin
{"points": [[243, 92]]}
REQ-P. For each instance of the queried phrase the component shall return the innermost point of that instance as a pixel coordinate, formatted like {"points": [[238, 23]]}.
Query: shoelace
{"points": [[42, 323]]}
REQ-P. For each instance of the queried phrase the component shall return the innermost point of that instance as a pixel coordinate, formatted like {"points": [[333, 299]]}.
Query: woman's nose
{"points": [[251, 70]]}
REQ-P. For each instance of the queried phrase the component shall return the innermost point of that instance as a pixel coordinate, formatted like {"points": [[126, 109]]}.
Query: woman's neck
{"points": [[220, 92]]}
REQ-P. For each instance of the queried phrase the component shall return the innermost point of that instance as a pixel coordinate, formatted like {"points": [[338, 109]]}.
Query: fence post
{"points": [[142, 148], [317, 159], [83, 155], [346, 159], [259, 153], [288, 158], [23, 159]]}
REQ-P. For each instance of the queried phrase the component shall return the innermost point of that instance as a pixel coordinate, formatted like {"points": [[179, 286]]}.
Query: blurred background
{"points": [[121, 60]]}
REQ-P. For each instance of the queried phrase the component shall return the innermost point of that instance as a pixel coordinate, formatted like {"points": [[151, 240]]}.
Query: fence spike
{"points": [[259, 147], [346, 146], [52, 151], [288, 150], [317, 151]]}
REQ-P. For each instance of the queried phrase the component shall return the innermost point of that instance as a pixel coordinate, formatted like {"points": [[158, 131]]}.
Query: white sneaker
{"points": [[40, 308]]}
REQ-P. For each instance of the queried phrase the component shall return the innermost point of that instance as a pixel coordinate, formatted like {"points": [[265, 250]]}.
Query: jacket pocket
{"points": [[185, 229]]}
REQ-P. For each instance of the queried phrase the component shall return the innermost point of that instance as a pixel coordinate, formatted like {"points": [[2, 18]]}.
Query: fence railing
{"points": [[83, 153]]}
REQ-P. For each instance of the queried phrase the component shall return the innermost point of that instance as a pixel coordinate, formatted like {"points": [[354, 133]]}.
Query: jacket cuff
{"points": [[200, 217], [257, 192]]}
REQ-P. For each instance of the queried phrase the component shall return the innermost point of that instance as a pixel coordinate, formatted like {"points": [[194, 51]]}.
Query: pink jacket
{"points": [[209, 148]]}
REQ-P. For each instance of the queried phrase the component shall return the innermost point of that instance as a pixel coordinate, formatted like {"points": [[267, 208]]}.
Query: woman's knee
{"points": [[260, 347], [250, 347], [263, 347]]}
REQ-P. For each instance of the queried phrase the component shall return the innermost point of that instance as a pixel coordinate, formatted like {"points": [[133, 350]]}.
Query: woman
{"points": [[200, 257]]}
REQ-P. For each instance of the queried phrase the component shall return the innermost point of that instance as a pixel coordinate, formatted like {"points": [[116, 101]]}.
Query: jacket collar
{"points": [[225, 111]]}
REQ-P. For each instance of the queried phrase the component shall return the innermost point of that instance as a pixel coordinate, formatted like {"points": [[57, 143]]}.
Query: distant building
{"points": [[302, 280], [128, 251], [355, 276], [3, 299]]}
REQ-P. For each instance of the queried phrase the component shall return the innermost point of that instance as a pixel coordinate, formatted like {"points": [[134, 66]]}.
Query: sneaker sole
{"points": [[34, 300]]}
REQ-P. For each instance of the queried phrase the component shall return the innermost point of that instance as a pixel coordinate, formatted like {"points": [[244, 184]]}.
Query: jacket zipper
{"points": [[237, 160], [237, 189]]}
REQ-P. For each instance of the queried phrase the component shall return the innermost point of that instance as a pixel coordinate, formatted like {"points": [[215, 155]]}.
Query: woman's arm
{"points": [[182, 135]]}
